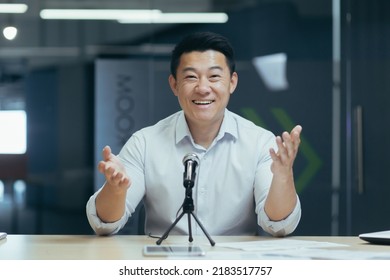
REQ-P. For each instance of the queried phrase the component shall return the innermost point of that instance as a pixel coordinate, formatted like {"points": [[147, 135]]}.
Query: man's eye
{"points": [[215, 77]]}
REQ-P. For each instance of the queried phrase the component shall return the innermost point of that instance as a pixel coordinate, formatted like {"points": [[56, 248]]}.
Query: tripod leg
{"points": [[165, 235], [204, 230], [189, 228]]}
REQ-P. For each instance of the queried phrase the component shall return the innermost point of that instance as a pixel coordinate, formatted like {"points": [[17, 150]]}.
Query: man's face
{"points": [[203, 86]]}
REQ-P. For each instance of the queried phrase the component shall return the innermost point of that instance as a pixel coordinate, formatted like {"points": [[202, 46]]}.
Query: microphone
{"points": [[190, 161]]}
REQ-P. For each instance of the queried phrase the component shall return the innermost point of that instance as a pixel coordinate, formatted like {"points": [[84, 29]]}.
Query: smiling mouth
{"points": [[202, 102]]}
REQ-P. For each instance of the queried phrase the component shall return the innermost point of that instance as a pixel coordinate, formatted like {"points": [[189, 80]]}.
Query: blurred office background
{"points": [[64, 83]]}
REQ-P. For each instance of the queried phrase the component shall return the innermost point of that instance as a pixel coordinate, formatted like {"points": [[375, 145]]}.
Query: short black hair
{"points": [[203, 41]]}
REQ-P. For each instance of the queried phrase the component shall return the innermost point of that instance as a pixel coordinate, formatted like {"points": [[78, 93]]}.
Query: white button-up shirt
{"points": [[231, 184]]}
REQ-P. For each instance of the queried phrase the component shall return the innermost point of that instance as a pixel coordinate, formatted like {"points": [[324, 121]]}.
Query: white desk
{"points": [[121, 247]]}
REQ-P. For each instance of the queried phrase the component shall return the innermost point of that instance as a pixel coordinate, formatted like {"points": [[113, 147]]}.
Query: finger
{"points": [[106, 167], [124, 182], [273, 154], [282, 151], [102, 166], [288, 143], [295, 135], [120, 179], [108, 171], [116, 177], [106, 153], [113, 177], [297, 129], [292, 140]]}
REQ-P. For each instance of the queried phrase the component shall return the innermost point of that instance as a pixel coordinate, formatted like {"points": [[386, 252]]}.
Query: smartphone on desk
{"points": [[3, 235], [173, 250]]}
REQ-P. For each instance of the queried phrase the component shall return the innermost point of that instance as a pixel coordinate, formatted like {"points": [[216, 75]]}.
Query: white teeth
{"points": [[203, 102]]}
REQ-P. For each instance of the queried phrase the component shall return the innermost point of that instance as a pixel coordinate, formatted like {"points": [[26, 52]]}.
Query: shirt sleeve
{"points": [[100, 227], [282, 227], [132, 159], [262, 184]]}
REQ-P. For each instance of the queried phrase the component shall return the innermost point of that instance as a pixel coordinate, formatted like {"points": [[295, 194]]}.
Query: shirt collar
{"points": [[182, 129], [229, 126]]}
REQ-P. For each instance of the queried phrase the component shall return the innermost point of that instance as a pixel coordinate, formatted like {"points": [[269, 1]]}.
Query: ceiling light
{"points": [[96, 14], [180, 18], [10, 32], [13, 8], [132, 16]]}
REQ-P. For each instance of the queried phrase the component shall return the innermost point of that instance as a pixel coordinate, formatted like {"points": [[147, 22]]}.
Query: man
{"points": [[245, 176]]}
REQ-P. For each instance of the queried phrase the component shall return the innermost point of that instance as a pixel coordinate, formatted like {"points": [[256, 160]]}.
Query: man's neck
{"points": [[204, 135]]}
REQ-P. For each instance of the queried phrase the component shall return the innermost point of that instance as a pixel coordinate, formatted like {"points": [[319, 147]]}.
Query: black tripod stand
{"points": [[188, 208]]}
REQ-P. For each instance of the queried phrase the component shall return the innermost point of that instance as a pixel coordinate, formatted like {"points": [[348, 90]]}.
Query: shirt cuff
{"points": [[100, 227], [282, 227]]}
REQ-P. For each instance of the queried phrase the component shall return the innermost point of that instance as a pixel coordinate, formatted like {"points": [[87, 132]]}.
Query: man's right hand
{"points": [[114, 171], [110, 202]]}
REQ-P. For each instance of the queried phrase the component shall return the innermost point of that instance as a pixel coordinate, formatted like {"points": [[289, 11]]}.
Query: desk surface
{"points": [[121, 247]]}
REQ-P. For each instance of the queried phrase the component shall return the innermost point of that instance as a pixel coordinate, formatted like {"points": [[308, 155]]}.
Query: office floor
{"points": [[19, 216]]}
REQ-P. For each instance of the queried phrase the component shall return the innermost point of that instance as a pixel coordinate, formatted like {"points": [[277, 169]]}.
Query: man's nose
{"points": [[203, 86]]}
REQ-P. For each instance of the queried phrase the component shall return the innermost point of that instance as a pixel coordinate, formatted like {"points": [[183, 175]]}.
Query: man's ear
{"points": [[233, 82], [172, 84]]}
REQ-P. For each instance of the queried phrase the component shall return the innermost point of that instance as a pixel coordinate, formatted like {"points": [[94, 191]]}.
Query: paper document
{"points": [[300, 249], [278, 244]]}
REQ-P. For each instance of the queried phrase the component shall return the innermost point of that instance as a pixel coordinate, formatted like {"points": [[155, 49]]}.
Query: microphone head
{"points": [[190, 162], [192, 157]]}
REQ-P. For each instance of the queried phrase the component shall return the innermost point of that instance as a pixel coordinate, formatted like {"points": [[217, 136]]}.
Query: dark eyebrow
{"points": [[193, 69], [216, 68], [188, 69]]}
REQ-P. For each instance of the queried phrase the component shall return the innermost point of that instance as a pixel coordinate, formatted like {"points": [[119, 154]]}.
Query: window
{"points": [[13, 132]]}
